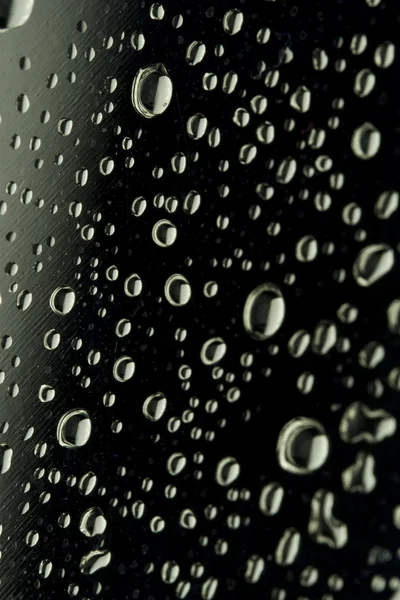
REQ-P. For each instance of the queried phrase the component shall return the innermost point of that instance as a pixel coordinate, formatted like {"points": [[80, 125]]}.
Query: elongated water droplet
{"points": [[227, 471], [366, 141], [94, 561]]}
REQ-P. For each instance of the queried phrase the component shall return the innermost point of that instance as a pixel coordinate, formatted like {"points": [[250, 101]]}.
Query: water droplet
{"points": [[24, 300], [123, 328], [92, 522], [22, 104], [254, 568], [393, 316], [233, 21], [384, 55], [271, 499], [124, 369], [133, 286], [299, 343], [359, 477], [195, 53], [94, 561], [177, 290], [192, 202], [265, 133], [303, 446], [300, 100], [46, 393], [197, 126], [372, 263], [106, 165], [288, 547], [264, 311], [324, 337], [364, 83], [307, 249], [6, 455], [366, 141], [65, 126], [227, 471], [387, 204], [361, 424], [170, 571], [51, 340], [286, 170], [152, 91], [155, 406], [15, 13], [137, 40], [176, 463], [213, 350], [323, 527], [164, 233], [74, 429], [62, 300]]}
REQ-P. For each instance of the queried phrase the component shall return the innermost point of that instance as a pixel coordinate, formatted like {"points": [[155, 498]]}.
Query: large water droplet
{"points": [[152, 91], [62, 300], [212, 351], [74, 429], [372, 263], [264, 311], [164, 233], [303, 446], [15, 13], [154, 406]]}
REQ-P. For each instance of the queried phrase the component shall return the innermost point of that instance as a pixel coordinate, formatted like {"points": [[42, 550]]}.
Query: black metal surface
{"points": [[65, 60]]}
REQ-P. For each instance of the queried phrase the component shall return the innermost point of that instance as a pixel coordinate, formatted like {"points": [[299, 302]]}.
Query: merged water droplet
{"points": [[62, 300], [94, 561], [155, 406], [264, 311], [92, 522], [372, 263], [74, 429], [303, 446], [152, 91]]}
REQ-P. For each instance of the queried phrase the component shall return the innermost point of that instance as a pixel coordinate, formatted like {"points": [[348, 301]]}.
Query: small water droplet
{"points": [[164, 233], [24, 300], [233, 21], [133, 286], [195, 53], [213, 350]]}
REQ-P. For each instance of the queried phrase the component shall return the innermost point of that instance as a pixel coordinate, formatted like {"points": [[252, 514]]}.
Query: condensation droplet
{"points": [[227, 471], [303, 446], [74, 429], [372, 263], [152, 91], [366, 141], [155, 406], [62, 300], [264, 311], [177, 290], [124, 369]]}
